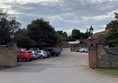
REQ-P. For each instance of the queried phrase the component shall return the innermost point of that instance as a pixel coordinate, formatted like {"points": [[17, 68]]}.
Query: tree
{"points": [[62, 33], [7, 24], [116, 15], [20, 33], [22, 39], [59, 39], [25, 42], [75, 34], [86, 34], [42, 33], [111, 38], [112, 26], [65, 34]]}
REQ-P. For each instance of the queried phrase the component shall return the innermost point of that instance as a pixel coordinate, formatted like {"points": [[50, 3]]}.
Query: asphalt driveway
{"points": [[67, 68]]}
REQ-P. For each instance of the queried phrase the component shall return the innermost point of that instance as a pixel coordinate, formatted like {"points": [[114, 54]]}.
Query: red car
{"points": [[24, 56]]}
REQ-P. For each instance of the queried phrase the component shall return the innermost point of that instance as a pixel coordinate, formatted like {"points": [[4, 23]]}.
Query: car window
{"points": [[20, 52], [35, 52], [29, 52], [38, 51]]}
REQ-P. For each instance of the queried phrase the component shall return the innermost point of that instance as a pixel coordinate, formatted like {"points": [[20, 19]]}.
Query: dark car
{"points": [[54, 52]]}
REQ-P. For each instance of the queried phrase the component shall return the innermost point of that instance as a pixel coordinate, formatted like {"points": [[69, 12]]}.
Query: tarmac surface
{"points": [[69, 67]]}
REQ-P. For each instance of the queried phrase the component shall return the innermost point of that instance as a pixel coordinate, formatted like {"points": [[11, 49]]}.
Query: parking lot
{"points": [[69, 67]]}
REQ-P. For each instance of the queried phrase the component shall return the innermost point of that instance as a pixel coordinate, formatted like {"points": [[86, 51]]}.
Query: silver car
{"points": [[42, 53]]}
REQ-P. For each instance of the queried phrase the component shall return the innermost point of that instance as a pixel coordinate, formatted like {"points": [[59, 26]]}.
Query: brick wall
{"points": [[92, 59]]}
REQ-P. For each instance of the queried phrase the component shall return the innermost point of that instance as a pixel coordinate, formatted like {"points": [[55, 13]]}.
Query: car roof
{"points": [[21, 51]]}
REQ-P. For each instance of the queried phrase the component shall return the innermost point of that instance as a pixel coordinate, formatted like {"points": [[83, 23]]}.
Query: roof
{"points": [[74, 42], [98, 34], [83, 40]]}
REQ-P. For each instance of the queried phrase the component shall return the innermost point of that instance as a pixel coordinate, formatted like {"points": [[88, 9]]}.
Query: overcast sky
{"points": [[64, 14]]}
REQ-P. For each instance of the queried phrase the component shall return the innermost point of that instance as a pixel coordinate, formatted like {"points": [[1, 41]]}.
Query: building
{"points": [[96, 37], [73, 45]]}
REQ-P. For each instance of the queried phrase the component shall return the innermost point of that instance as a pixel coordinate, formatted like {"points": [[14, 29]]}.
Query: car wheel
{"points": [[42, 57], [30, 60], [18, 59], [24, 60], [57, 55]]}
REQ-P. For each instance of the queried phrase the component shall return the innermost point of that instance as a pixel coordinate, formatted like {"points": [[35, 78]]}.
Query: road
{"points": [[69, 67]]}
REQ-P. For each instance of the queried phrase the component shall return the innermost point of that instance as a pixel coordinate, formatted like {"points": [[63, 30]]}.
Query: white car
{"points": [[82, 50], [42, 53]]}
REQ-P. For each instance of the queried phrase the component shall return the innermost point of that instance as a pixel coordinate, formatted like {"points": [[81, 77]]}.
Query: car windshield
{"points": [[30, 52], [38, 51], [20, 52]]}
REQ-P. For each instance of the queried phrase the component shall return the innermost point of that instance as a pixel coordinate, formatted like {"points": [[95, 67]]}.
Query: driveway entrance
{"points": [[69, 67]]}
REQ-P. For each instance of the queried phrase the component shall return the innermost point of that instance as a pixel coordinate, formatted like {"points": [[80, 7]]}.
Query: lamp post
{"points": [[11, 38], [91, 32]]}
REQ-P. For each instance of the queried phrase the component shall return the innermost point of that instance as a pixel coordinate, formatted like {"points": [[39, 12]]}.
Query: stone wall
{"points": [[8, 56], [106, 58]]}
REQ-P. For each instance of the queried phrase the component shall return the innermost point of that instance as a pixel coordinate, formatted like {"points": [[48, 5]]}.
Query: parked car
{"points": [[82, 50], [34, 54], [42, 54], [24, 56], [48, 53], [54, 52]]}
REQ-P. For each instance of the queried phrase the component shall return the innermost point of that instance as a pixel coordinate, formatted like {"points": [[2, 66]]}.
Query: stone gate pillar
{"points": [[8, 56], [92, 57]]}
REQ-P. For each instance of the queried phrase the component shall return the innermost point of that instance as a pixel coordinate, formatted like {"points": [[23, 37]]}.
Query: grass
{"points": [[109, 71]]}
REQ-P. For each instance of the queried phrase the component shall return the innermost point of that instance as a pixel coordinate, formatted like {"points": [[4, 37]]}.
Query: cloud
{"points": [[64, 14], [26, 1]]}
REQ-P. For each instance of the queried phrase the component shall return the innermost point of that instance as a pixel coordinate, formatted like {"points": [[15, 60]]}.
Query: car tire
{"points": [[57, 55], [41, 57], [24, 60], [18, 59]]}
